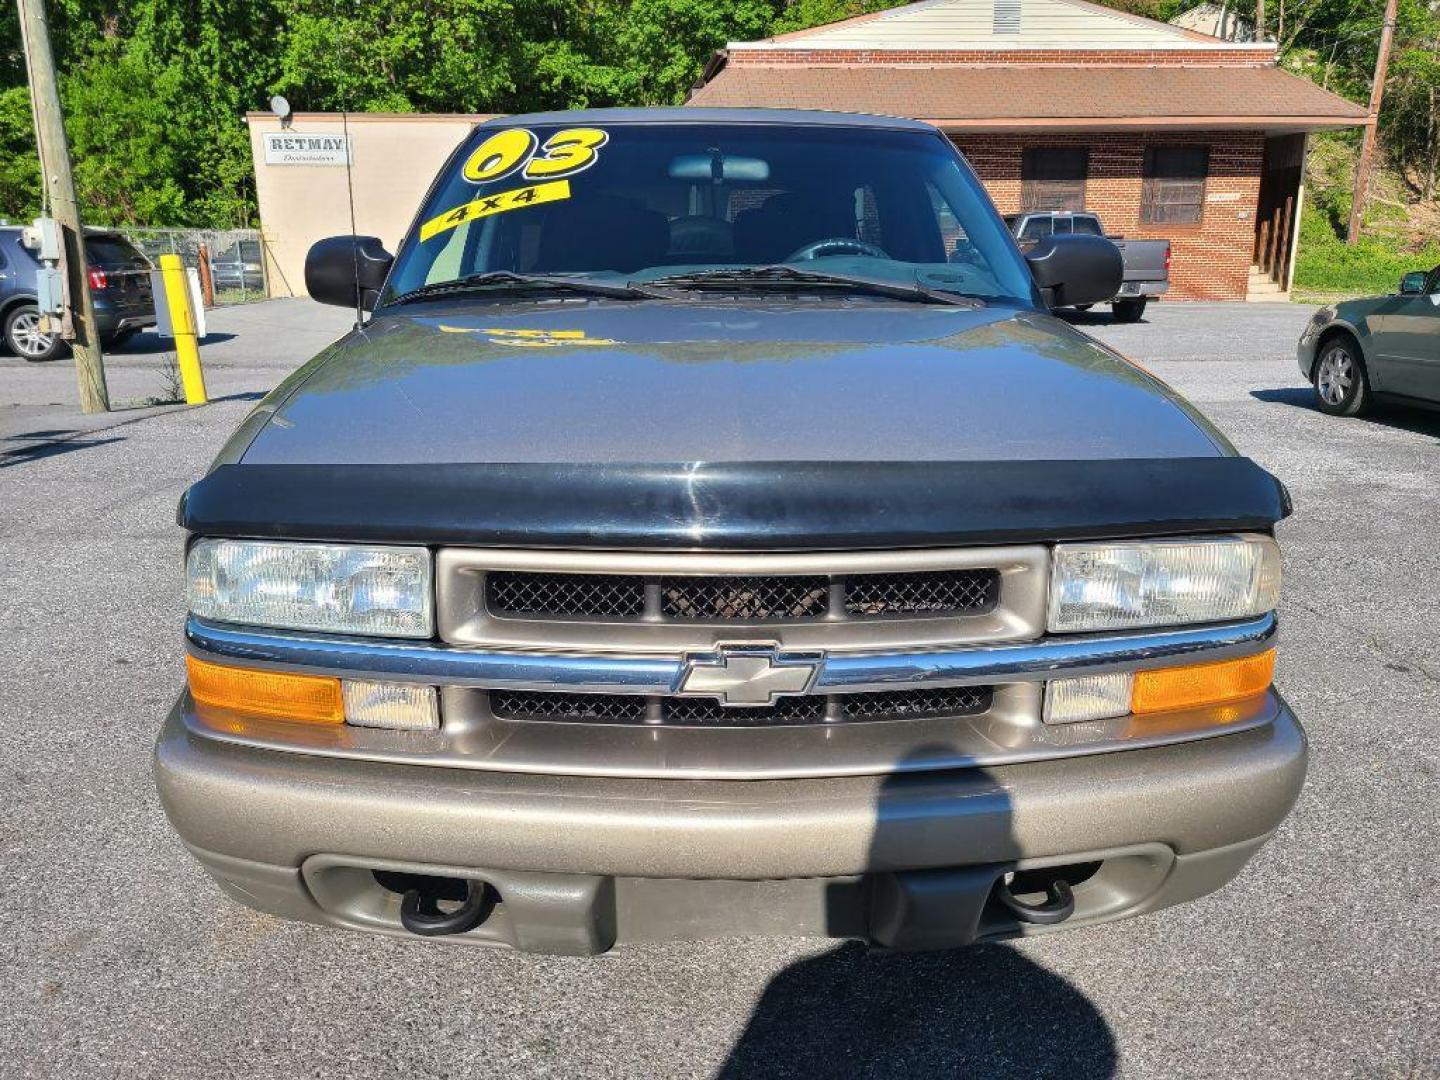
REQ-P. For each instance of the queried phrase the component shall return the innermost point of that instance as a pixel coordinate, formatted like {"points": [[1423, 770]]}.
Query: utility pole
{"points": [[55, 168], [1259, 20], [1372, 126]]}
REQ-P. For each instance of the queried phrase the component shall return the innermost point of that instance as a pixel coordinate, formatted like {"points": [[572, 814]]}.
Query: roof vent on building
{"points": [[1007, 16]]}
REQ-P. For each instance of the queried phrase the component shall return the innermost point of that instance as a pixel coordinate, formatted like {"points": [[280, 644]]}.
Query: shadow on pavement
{"points": [[981, 1011], [155, 345], [34, 445], [1093, 317], [978, 1012], [1416, 421], [142, 345]]}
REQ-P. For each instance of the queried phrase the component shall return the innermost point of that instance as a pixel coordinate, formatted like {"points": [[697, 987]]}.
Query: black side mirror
{"points": [[1413, 283], [347, 270], [1076, 269]]}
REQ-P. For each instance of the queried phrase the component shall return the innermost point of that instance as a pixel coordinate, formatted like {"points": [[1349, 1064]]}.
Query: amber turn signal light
{"points": [[310, 699], [1197, 685]]}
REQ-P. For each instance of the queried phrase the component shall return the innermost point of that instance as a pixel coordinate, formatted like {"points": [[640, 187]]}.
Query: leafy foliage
{"points": [[1327, 266], [154, 90], [1400, 232]]}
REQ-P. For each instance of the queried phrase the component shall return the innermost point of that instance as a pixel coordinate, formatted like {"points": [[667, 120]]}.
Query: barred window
{"points": [[1053, 178], [1174, 187]]}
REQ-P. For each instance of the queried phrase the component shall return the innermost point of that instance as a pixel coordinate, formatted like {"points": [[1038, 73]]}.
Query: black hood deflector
{"points": [[750, 505]]}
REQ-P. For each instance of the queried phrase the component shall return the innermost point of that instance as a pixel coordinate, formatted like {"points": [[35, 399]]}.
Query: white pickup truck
{"points": [[1147, 262]]}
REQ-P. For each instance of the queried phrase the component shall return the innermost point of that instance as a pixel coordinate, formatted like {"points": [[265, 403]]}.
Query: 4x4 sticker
{"points": [[565, 153], [499, 203]]}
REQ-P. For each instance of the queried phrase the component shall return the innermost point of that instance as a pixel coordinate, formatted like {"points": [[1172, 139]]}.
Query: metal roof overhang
{"points": [[1270, 125]]}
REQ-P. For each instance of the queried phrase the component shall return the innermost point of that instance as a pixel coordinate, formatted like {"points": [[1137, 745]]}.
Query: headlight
{"points": [[339, 588], [1125, 586], [1318, 322]]}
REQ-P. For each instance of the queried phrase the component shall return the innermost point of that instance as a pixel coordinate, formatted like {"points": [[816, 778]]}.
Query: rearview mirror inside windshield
{"points": [[704, 167]]}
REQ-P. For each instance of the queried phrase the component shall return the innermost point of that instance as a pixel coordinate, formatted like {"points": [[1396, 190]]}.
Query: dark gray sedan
{"points": [[1376, 349]]}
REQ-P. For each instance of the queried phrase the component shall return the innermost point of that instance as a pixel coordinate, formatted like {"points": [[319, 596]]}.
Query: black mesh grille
{"points": [[917, 704], [768, 598], [598, 596], [581, 708], [929, 592], [708, 712], [726, 599], [696, 712]]}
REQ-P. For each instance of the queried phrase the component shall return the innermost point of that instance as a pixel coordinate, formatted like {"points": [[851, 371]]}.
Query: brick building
{"points": [[1062, 104]]}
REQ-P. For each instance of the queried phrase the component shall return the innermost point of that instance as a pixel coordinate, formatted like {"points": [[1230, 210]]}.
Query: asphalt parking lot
{"points": [[118, 958]]}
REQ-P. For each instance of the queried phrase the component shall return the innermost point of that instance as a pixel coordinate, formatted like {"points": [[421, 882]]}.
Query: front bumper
{"points": [[1305, 354], [1308, 345], [582, 863]]}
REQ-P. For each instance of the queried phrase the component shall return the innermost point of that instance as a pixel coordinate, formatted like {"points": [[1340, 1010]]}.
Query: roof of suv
{"points": [[685, 115]]}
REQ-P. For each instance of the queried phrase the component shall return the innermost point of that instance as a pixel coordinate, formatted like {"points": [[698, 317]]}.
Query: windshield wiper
{"points": [[509, 281], [782, 275]]}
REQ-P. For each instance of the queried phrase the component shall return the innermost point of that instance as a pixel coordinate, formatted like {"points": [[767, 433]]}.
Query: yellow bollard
{"points": [[182, 322]]}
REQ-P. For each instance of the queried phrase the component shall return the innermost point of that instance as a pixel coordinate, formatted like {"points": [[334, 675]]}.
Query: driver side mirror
{"points": [[348, 271], [1076, 269], [1413, 283]]}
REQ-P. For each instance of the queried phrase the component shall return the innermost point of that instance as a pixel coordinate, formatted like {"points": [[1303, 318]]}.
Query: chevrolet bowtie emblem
{"points": [[748, 675]]}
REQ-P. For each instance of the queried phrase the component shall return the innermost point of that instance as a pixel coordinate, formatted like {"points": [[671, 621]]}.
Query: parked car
{"points": [[1378, 349], [687, 547], [238, 267], [119, 284], [1147, 262]]}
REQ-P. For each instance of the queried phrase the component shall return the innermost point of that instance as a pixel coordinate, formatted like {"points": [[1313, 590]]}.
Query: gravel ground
{"points": [[120, 959]]}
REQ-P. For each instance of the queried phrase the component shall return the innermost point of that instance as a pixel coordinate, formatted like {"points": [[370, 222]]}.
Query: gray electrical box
{"points": [[43, 238], [50, 291]]}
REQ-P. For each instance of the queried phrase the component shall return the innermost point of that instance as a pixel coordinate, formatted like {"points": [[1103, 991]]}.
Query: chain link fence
{"points": [[237, 266]]}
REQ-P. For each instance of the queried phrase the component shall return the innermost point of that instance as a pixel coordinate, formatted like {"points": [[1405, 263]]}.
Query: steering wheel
{"points": [[836, 245]]}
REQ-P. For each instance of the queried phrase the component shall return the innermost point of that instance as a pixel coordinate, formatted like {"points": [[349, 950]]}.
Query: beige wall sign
{"points": [[295, 148]]}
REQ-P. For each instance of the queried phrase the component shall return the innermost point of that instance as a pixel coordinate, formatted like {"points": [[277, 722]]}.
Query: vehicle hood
{"points": [[796, 379]]}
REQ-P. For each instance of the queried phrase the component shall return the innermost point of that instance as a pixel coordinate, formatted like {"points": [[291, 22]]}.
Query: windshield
{"points": [[645, 202]]}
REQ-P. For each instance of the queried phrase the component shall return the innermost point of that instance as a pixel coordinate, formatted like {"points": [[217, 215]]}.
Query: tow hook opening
{"points": [[438, 906], [1042, 897]]}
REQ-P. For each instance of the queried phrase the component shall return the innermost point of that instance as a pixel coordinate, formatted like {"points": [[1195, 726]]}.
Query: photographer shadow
{"points": [[978, 1011]]}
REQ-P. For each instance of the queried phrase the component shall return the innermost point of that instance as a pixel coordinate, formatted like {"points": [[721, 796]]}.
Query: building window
{"points": [[1053, 178], [1174, 189]]}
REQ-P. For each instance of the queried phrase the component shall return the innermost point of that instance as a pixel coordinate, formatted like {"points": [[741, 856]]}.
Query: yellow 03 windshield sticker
{"points": [[499, 203], [565, 153], [500, 155]]}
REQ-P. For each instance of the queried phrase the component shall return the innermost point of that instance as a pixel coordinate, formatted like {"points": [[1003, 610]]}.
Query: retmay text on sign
{"points": [[294, 148]]}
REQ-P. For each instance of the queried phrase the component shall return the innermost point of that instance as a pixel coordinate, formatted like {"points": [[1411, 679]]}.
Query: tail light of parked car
{"points": [[99, 279]]}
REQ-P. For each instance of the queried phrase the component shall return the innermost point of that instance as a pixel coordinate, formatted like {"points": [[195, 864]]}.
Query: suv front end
{"points": [[713, 533], [916, 746]]}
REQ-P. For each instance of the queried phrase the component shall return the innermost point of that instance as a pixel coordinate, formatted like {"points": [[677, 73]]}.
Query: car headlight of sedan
{"points": [[335, 588], [1124, 586]]}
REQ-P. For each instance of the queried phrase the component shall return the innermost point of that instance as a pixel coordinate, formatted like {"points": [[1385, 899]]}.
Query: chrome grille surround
{"points": [[823, 600], [854, 691], [471, 737]]}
